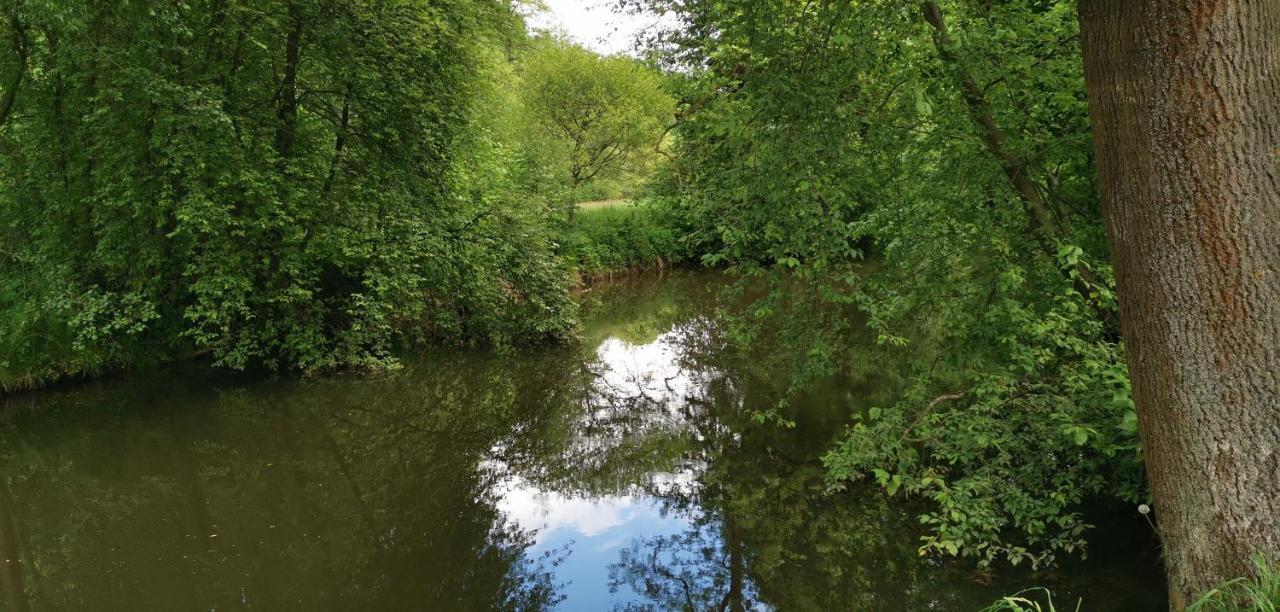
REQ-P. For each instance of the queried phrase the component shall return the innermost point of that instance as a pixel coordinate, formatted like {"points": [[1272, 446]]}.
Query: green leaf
{"points": [[923, 107], [1130, 423], [894, 484]]}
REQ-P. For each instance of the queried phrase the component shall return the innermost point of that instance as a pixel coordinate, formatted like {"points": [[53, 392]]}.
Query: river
{"points": [[624, 472]]}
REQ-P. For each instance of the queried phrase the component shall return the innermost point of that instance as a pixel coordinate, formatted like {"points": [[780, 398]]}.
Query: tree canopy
{"points": [[591, 117], [927, 172], [301, 184]]}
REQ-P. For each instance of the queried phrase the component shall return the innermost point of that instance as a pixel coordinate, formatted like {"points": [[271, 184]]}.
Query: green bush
{"points": [[167, 189], [598, 191], [605, 240]]}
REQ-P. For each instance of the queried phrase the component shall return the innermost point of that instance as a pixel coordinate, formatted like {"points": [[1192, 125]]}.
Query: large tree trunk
{"points": [[1185, 101]]}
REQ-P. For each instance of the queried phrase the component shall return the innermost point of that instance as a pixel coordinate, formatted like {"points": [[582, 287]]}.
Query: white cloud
{"points": [[627, 371], [651, 370], [548, 512]]}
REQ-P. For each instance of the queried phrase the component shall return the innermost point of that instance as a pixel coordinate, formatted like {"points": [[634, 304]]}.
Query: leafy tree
{"points": [[591, 117], [294, 183], [948, 143]]}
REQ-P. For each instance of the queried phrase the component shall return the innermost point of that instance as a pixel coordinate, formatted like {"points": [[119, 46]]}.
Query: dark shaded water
{"points": [[623, 473]]}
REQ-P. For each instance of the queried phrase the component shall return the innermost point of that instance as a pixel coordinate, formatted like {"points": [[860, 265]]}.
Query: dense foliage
{"points": [[296, 184], [589, 119], [610, 239], [308, 184], [948, 144]]}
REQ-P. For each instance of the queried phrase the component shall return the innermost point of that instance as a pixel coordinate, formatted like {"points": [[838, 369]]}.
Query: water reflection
{"points": [[625, 473]]}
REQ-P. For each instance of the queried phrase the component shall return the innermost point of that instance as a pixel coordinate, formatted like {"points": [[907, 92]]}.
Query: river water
{"points": [[621, 473]]}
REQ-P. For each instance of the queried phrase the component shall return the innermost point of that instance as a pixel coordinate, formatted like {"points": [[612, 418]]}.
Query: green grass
{"points": [[37, 349], [1260, 593], [1024, 602], [598, 204], [607, 239]]}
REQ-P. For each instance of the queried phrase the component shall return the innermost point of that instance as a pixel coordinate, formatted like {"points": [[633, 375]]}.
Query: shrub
{"points": [[613, 239]]}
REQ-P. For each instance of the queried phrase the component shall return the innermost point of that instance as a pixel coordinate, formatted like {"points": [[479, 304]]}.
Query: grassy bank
{"points": [[602, 241], [36, 349], [39, 346]]}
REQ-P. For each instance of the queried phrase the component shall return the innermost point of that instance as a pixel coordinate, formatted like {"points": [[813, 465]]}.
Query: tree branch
{"points": [[928, 409], [1015, 169]]}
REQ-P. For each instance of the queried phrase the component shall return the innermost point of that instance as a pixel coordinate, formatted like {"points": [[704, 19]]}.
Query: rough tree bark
{"points": [[1185, 101]]}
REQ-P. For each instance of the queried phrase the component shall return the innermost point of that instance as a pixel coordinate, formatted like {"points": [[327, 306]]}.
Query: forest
{"points": [[1021, 258]]}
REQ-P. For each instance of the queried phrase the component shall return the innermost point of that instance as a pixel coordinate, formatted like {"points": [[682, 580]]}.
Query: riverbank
{"points": [[604, 242], [601, 243], [570, 467]]}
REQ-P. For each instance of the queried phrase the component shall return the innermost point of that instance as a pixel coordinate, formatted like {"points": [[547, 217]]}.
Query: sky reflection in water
{"points": [[593, 529], [625, 472]]}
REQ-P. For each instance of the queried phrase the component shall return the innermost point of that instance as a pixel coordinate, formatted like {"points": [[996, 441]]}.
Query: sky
{"points": [[592, 530], [594, 24]]}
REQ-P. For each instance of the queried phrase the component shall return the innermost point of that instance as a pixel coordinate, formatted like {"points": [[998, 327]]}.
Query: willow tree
{"points": [[1185, 101]]}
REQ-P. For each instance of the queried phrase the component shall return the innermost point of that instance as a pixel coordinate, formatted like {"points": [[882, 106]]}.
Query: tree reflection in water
{"points": [[441, 487], [763, 532]]}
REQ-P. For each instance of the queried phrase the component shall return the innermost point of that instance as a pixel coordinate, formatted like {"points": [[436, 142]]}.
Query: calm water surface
{"points": [[623, 473]]}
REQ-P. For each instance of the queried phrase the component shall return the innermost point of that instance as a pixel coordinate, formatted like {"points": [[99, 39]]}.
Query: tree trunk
{"points": [[19, 43], [1185, 101], [992, 136], [287, 112], [733, 600]]}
